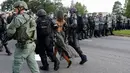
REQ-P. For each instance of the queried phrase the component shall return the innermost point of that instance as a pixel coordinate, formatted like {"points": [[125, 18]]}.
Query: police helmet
{"points": [[41, 12], [20, 4], [73, 10]]}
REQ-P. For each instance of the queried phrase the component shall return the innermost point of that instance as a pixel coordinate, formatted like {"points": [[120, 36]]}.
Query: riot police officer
{"points": [[109, 20], [118, 20], [3, 32], [80, 27], [101, 24], [113, 21], [91, 25], [73, 36], [45, 40], [86, 26], [106, 25], [97, 26]]}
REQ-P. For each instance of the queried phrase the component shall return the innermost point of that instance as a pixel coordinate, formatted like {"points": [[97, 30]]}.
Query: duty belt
{"points": [[25, 42]]}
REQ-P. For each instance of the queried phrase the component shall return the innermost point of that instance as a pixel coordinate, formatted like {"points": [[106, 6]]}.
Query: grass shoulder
{"points": [[125, 33]]}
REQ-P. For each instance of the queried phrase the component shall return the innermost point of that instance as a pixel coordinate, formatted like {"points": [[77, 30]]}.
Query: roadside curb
{"points": [[122, 35]]}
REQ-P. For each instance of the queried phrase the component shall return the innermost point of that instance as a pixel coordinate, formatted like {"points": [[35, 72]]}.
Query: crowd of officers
{"points": [[97, 25], [60, 33]]}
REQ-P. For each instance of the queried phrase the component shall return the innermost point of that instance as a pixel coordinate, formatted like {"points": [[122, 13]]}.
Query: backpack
{"points": [[26, 31], [45, 27]]}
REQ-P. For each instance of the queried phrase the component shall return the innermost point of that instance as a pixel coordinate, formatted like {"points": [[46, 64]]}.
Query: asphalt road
{"points": [[105, 55]]}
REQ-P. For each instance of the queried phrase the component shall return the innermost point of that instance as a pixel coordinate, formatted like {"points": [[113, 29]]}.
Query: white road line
{"points": [[37, 58]]}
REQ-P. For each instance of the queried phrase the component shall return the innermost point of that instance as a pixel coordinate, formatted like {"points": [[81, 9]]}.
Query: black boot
{"points": [[86, 37], [1, 50], [9, 54], [55, 60], [44, 63], [83, 59], [7, 50], [56, 65], [69, 64], [46, 68], [80, 38]]}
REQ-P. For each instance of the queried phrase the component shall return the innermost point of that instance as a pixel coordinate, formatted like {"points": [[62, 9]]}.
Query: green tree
{"points": [[82, 9], [117, 8], [58, 4], [47, 5], [127, 10], [126, 1], [7, 5], [33, 5]]}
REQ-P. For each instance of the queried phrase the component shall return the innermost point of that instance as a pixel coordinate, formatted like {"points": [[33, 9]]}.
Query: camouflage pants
{"points": [[25, 53]]}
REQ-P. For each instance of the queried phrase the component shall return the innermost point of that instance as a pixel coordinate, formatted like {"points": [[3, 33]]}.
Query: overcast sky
{"points": [[93, 5], [96, 5]]}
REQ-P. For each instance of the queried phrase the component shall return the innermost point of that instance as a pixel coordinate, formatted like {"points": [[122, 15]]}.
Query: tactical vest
{"points": [[26, 31]]}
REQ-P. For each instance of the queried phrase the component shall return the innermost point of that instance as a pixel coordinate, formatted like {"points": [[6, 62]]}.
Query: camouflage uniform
{"points": [[24, 49]]}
